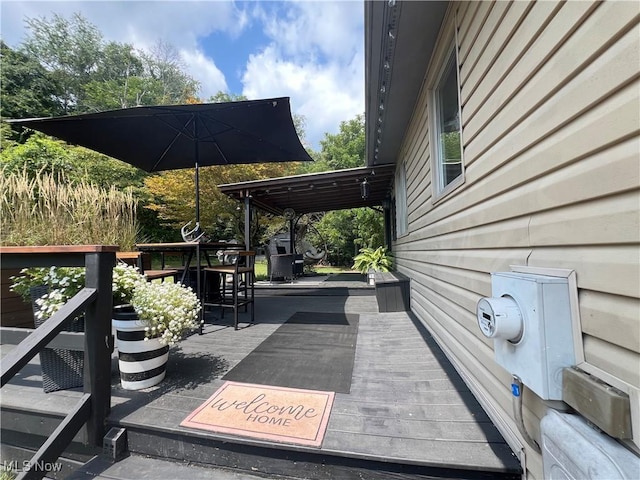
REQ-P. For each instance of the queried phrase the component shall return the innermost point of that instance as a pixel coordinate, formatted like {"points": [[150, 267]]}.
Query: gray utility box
{"points": [[392, 292]]}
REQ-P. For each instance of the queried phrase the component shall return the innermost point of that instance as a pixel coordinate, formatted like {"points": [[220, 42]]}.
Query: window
{"points": [[446, 132], [401, 200]]}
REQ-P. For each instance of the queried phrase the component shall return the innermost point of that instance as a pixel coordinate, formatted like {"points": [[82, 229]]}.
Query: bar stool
{"points": [[242, 274]]}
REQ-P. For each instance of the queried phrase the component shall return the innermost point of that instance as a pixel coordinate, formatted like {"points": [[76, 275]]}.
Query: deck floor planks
{"points": [[406, 403]]}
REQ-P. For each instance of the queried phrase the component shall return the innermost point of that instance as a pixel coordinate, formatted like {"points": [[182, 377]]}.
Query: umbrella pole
{"points": [[247, 222], [197, 181]]}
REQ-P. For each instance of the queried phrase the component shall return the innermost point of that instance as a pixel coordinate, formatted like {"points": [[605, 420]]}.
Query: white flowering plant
{"points": [[125, 281], [169, 310], [62, 283]]}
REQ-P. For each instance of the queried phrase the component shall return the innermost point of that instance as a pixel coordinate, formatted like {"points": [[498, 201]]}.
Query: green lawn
{"points": [[261, 267], [261, 270]]}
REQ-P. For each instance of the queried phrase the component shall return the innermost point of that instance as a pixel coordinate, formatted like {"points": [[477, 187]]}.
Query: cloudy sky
{"points": [[311, 51]]}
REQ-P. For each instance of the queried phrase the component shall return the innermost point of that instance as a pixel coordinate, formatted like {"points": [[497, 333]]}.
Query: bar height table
{"points": [[191, 250]]}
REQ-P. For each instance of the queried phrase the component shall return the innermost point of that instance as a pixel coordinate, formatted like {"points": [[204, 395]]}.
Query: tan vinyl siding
{"points": [[598, 311], [550, 97], [476, 77]]}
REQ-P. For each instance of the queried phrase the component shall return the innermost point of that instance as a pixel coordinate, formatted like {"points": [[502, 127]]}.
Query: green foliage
{"points": [[26, 88], [368, 227], [378, 260], [337, 229], [451, 144], [223, 97], [168, 84], [62, 283], [346, 230], [38, 154], [346, 148], [42, 154], [6, 473], [87, 74], [69, 50], [173, 197], [169, 310]]}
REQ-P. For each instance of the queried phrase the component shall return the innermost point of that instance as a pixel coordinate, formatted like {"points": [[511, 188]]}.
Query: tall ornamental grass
{"points": [[49, 210]]}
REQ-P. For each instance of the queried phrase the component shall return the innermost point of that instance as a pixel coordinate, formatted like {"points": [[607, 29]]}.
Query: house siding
{"points": [[550, 118]]}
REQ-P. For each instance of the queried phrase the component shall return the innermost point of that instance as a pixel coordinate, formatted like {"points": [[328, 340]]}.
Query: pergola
{"points": [[317, 192]]}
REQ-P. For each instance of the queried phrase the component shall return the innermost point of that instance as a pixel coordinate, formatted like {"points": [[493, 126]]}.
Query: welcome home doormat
{"points": [[265, 412]]}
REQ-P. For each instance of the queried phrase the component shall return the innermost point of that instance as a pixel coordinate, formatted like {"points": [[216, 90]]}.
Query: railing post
{"points": [[98, 343]]}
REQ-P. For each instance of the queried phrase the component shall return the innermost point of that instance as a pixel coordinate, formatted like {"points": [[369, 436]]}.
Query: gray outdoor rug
{"points": [[312, 350]]}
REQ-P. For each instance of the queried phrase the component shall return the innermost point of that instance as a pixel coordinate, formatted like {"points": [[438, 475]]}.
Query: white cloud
{"points": [[175, 22], [315, 51], [143, 24], [330, 28], [204, 70], [316, 57], [324, 95]]}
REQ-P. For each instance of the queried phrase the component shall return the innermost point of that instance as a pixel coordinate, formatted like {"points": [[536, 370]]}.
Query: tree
{"points": [[119, 79], [347, 230], [65, 67], [42, 154], [26, 88], [222, 97], [346, 148], [173, 192], [92, 75], [69, 50], [169, 84]]}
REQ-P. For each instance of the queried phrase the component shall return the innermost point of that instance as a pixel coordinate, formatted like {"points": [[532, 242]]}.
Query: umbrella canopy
{"points": [[171, 137]]}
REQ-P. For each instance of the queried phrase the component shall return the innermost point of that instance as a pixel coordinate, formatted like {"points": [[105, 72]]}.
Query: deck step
{"points": [[281, 461], [17, 449], [135, 467]]}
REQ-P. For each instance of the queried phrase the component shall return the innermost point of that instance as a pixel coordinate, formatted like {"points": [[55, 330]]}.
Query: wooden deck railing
{"points": [[95, 300]]}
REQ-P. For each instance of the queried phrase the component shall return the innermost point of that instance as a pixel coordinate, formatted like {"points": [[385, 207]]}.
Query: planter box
{"points": [[142, 362], [392, 292], [61, 369], [15, 312]]}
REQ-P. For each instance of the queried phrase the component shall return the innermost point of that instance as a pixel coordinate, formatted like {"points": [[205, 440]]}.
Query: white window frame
{"points": [[402, 221], [440, 190]]}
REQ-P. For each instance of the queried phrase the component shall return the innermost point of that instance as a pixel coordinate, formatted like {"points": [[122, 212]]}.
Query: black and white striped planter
{"points": [[142, 362]]}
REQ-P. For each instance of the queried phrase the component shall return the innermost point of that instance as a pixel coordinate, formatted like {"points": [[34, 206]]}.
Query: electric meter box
{"points": [[529, 318]]}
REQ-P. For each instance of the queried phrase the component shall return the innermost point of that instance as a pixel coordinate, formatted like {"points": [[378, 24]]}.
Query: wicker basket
{"points": [[61, 369]]}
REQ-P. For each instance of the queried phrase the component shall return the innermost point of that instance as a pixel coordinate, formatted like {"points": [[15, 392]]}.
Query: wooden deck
{"points": [[408, 412]]}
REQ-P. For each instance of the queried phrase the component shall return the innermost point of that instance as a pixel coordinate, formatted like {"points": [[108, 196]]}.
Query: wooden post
{"points": [[98, 343], [247, 222]]}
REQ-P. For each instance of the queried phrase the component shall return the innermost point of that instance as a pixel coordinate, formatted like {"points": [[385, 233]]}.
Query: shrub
{"points": [[377, 259], [49, 210]]}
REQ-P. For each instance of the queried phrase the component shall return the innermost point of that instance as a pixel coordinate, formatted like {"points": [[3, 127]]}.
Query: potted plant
{"points": [[160, 314], [58, 284], [369, 260], [148, 316], [47, 289]]}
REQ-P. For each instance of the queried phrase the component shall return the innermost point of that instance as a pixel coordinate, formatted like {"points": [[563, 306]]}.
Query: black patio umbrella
{"points": [[171, 137]]}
